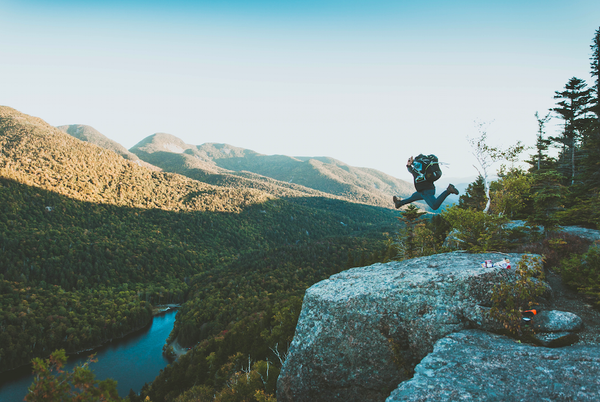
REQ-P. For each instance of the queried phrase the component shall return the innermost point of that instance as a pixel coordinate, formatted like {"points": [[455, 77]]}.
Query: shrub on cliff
{"points": [[53, 383], [583, 273], [510, 299], [477, 231]]}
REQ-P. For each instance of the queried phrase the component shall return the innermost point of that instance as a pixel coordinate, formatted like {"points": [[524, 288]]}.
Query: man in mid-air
{"points": [[425, 170]]}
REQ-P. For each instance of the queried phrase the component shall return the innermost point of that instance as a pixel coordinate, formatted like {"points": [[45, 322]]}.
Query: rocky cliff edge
{"points": [[362, 332]]}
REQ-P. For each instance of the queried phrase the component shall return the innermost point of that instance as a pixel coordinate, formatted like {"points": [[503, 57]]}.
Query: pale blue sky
{"points": [[365, 82]]}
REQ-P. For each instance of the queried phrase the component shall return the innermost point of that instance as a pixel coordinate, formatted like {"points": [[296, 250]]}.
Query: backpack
{"points": [[428, 167]]}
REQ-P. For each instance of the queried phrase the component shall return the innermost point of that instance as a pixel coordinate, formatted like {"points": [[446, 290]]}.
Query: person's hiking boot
{"points": [[397, 202], [451, 189]]}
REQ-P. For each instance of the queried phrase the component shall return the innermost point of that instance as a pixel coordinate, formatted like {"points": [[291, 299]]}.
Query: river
{"points": [[132, 361]]}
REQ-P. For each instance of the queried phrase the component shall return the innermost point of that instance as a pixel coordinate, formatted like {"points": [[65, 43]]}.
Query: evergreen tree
{"points": [[474, 197], [548, 199], [591, 141], [411, 217], [595, 64], [541, 161], [573, 109]]}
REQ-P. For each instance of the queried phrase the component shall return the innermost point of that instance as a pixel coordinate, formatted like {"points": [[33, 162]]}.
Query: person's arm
{"points": [[409, 164]]}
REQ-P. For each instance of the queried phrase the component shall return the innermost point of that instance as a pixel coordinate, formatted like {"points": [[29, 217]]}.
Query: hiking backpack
{"points": [[429, 167]]}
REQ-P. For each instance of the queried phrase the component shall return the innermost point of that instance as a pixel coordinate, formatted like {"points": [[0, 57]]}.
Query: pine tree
{"points": [[474, 197], [548, 198], [591, 140], [406, 245], [573, 109], [595, 65], [541, 162]]}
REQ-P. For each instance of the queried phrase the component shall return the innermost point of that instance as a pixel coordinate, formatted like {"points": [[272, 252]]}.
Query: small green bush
{"points": [[556, 247], [510, 299], [583, 273], [478, 232]]}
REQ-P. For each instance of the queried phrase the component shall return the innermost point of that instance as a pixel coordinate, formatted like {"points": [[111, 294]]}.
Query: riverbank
{"points": [[156, 311], [132, 361], [163, 308], [106, 342], [178, 350]]}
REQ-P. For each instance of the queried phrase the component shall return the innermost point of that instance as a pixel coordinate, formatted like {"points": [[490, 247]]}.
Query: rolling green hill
{"points": [[323, 174], [91, 241], [93, 136]]}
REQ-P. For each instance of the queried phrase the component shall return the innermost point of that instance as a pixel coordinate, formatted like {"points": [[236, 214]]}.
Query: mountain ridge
{"points": [[324, 174], [36, 153], [81, 223]]}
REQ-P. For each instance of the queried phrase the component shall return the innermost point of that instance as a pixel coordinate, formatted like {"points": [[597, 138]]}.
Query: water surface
{"points": [[132, 361]]}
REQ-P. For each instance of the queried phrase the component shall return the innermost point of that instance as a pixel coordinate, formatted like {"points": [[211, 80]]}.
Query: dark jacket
{"points": [[421, 185]]}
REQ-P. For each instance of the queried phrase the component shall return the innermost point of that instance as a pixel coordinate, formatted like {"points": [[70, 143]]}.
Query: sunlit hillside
{"points": [[37, 154], [327, 175], [92, 241], [93, 136]]}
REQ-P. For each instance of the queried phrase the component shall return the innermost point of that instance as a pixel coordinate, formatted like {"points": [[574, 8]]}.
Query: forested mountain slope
{"points": [[35, 153], [324, 174], [91, 135], [91, 241], [193, 167]]}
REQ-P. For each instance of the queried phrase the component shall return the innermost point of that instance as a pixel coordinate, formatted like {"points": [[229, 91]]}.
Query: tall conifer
{"points": [[593, 141], [573, 109], [590, 147], [595, 65]]}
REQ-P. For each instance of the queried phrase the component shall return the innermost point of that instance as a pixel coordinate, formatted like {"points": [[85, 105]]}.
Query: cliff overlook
{"points": [[366, 331]]}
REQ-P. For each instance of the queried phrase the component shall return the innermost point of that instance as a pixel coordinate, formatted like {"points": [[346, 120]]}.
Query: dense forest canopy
{"points": [[91, 242]]}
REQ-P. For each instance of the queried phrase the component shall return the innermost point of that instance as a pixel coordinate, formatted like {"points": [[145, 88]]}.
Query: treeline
{"points": [[36, 321], [52, 243], [246, 314], [561, 187]]}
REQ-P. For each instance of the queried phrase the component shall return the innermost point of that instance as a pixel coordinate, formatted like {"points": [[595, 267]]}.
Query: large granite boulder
{"points": [[473, 365], [556, 328], [557, 321], [361, 332], [592, 235]]}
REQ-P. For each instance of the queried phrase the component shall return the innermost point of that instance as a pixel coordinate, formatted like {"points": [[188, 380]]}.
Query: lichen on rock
{"points": [[361, 332]]}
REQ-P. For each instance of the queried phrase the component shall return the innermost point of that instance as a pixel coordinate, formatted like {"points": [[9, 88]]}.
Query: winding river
{"points": [[132, 361]]}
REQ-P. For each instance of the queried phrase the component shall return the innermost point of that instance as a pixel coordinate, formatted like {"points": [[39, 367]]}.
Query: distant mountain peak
{"points": [[91, 135]]}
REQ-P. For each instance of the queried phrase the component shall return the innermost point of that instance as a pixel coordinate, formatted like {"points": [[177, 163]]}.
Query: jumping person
{"points": [[423, 180]]}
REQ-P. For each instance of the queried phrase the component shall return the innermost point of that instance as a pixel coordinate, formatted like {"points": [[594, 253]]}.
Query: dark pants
{"points": [[429, 197]]}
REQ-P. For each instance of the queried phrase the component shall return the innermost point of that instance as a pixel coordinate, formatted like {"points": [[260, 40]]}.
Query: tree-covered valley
{"points": [[93, 237], [91, 242]]}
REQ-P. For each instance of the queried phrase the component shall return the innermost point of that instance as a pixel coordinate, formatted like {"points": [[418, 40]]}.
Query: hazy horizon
{"points": [[367, 83]]}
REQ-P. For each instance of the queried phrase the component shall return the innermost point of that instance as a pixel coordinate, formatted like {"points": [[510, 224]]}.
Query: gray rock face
{"points": [[589, 234], [556, 328], [362, 331], [477, 366], [556, 339], [557, 321]]}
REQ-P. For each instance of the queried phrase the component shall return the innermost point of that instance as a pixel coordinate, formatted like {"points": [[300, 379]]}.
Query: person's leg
{"points": [[415, 197], [440, 199], [429, 198], [435, 203]]}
